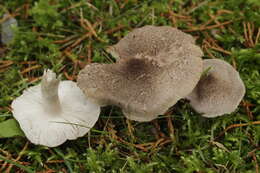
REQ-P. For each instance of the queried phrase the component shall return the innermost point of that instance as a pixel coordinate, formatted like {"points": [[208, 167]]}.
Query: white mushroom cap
{"points": [[145, 83], [219, 91], [54, 111]]}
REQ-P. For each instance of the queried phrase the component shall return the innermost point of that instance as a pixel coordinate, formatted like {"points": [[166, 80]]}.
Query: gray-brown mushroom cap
{"points": [[150, 40], [145, 85], [218, 92]]}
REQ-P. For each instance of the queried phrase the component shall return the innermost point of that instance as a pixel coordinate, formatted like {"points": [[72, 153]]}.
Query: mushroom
{"points": [[155, 68], [7, 34], [54, 111], [219, 91]]}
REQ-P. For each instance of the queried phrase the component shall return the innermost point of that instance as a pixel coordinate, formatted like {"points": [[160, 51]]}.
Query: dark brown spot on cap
{"points": [[134, 68]]}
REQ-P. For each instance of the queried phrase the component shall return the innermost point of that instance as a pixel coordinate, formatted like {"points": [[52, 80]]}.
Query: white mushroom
{"points": [[156, 67], [219, 91], [54, 111]]}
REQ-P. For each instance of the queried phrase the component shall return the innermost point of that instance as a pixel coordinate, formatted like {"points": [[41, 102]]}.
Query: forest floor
{"points": [[66, 35]]}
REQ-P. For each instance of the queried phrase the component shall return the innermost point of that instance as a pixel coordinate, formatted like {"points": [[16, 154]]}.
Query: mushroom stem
{"points": [[49, 90]]}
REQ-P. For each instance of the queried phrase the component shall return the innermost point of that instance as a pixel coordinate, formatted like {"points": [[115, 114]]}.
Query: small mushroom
{"points": [[7, 34], [147, 79], [219, 91], [54, 111]]}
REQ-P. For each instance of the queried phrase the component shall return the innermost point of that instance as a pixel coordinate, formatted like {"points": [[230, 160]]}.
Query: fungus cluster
{"points": [[155, 67]]}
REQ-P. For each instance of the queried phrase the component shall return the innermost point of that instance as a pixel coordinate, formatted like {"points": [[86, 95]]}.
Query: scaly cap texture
{"points": [[157, 67], [219, 91]]}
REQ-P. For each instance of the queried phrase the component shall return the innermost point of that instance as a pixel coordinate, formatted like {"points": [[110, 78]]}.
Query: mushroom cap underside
{"points": [[78, 115]]}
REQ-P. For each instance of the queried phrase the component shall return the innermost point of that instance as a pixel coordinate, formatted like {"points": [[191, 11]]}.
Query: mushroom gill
{"points": [[54, 111]]}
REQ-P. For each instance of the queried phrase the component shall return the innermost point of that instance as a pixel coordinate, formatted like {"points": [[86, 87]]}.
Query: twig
{"points": [[214, 18], [237, 125], [89, 53], [155, 144], [112, 30], [34, 79], [78, 5], [209, 27], [170, 126], [68, 76], [75, 67], [257, 36], [250, 33], [209, 53], [89, 27], [5, 64], [135, 145], [160, 142], [55, 161], [198, 6], [8, 155], [130, 129], [65, 40], [252, 154], [221, 50], [247, 107], [18, 158], [30, 69], [78, 41], [69, 55], [28, 62], [158, 129], [256, 164]]}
